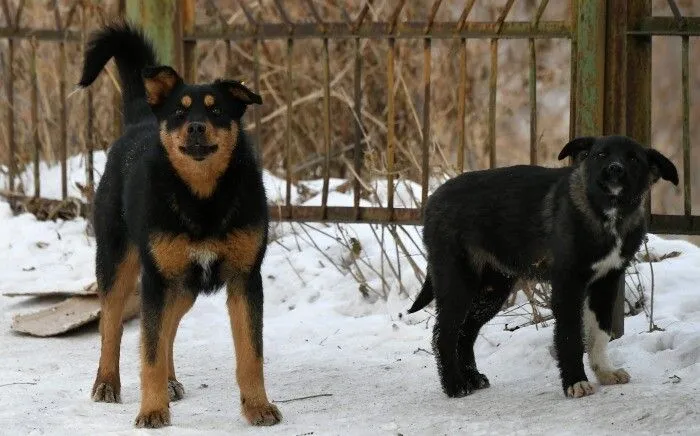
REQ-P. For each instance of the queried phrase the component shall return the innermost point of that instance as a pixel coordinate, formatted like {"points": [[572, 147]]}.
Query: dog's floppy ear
{"points": [[576, 146], [239, 92], [159, 82], [660, 166]]}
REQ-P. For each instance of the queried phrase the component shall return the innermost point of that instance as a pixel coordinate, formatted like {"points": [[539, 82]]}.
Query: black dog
{"points": [[182, 202], [577, 227]]}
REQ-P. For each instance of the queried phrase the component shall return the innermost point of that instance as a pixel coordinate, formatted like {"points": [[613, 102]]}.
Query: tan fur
{"points": [[186, 101], [239, 250], [112, 305], [209, 100], [249, 365], [159, 87], [154, 375], [201, 177]]}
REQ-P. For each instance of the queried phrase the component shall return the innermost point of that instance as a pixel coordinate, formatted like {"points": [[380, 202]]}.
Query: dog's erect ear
{"points": [[576, 146], [239, 92], [660, 166], [159, 83]]}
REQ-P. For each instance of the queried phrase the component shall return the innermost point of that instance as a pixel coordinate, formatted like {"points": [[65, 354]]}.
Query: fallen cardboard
{"points": [[67, 315], [89, 290]]}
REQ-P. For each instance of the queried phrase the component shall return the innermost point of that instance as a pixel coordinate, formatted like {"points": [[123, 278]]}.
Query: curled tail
{"points": [[132, 51], [424, 297]]}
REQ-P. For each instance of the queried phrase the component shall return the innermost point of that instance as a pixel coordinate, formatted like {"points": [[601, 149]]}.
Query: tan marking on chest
{"points": [[173, 254]]}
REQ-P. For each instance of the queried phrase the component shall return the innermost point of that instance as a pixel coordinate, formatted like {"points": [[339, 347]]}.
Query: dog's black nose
{"points": [[196, 128], [615, 170]]}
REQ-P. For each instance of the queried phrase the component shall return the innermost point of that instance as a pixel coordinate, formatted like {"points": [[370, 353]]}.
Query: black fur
{"points": [[484, 230], [142, 195]]}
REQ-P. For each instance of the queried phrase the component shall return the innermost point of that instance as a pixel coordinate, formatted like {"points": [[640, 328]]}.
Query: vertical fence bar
{"points": [[256, 110], [187, 19], [573, 18], [590, 57], [493, 83], [288, 132], [10, 91], [685, 90], [89, 128], [63, 152], [427, 59], [390, 125], [357, 107], [426, 121], [35, 120], [533, 102], [461, 103], [326, 129]]}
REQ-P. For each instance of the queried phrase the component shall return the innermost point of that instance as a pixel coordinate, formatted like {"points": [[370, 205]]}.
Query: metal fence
{"points": [[610, 81]]}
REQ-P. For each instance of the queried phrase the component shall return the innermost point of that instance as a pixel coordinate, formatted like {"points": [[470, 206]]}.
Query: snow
{"points": [[322, 336]]}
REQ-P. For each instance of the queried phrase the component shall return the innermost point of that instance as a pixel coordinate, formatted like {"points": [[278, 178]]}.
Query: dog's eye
{"points": [[601, 155], [216, 111], [179, 112], [583, 155], [634, 159]]}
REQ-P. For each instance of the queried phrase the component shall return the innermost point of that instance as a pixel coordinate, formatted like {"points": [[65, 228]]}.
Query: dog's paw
{"points": [[263, 414], [175, 390], [106, 393], [476, 380], [580, 389], [615, 377], [153, 419]]}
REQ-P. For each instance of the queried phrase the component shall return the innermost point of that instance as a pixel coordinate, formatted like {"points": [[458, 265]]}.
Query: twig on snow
{"points": [[302, 398]]}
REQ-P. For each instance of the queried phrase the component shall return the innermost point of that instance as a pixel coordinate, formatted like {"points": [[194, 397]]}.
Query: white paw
{"points": [[580, 389], [614, 377]]}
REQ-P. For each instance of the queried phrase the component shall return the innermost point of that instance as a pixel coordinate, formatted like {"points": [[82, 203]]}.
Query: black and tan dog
{"points": [[182, 202], [577, 227]]}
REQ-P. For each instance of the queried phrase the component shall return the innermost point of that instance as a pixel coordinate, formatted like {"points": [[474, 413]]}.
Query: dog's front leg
{"points": [[160, 313], [567, 302], [245, 308], [597, 321]]}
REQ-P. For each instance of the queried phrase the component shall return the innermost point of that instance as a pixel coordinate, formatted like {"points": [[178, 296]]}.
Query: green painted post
{"points": [[161, 22], [590, 61]]}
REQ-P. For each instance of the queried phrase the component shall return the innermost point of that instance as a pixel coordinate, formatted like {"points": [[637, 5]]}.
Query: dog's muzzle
{"points": [[196, 145], [613, 176]]}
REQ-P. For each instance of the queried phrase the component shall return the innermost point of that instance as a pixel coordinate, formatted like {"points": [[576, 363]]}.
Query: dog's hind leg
{"points": [[597, 321], [494, 291], [117, 272], [454, 286]]}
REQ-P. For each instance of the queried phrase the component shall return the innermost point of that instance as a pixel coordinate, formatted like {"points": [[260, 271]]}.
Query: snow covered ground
{"points": [[323, 337]]}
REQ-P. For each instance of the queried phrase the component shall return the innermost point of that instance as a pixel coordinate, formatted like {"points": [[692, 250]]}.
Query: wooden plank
{"points": [[84, 291], [67, 315]]}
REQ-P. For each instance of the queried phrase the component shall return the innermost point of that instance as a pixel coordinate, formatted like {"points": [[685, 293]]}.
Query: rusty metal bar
{"points": [[391, 119], [63, 114], [685, 91], [465, 13], [288, 144], [380, 30], [338, 214], [248, 14], [18, 13], [7, 12], [674, 224], [326, 127], [461, 103], [502, 18], [256, 110], [361, 17], [667, 26], [493, 84], [427, 59], [539, 12], [89, 126], [35, 121], [614, 112], [533, 102], [10, 92], [357, 108], [187, 22], [676, 12], [573, 18]]}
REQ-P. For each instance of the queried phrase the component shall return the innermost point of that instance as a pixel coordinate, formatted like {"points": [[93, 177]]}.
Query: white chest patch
{"points": [[203, 257], [612, 260]]}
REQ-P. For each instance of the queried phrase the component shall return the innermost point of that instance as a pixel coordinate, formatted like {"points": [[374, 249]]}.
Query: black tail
{"points": [[132, 51], [424, 297]]}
